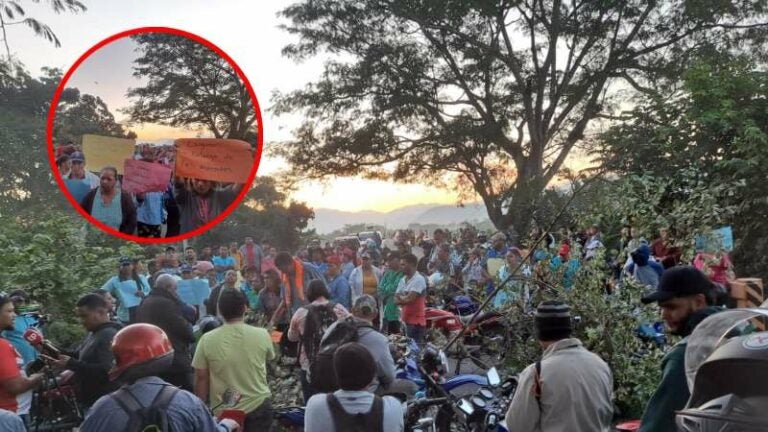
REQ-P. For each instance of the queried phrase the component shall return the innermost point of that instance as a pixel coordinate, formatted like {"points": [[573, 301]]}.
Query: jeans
{"points": [[306, 388], [260, 419], [416, 332], [392, 327]]}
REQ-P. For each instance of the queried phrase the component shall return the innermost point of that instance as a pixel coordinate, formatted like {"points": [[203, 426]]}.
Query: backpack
{"points": [[152, 418], [372, 421], [321, 372], [317, 321]]}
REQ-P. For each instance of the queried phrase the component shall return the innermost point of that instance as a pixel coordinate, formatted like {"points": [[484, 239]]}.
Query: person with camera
{"points": [[93, 358], [15, 386], [569, 389]]}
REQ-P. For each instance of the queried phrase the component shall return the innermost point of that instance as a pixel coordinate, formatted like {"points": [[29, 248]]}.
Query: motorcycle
{"points": [[54, 406], [289, 417]]}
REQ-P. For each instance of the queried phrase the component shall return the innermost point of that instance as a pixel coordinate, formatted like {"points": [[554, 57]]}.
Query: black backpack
{"points": [[321, 372], [372, 421], [317, 321], [152, 418]]}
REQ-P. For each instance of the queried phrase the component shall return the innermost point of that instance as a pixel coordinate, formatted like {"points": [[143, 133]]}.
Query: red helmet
{"points": [[142, 349]]}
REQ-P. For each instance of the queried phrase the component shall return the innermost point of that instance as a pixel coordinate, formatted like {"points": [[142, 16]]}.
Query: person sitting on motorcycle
{"points": [[353, 408], [142, 351], [685, 299], [569, 389], [93, 358], [234, 356], [365, 311]]}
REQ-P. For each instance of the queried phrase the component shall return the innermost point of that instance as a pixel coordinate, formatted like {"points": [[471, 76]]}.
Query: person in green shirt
{"points": [[234, 356], [685, 299], [387, 287]]}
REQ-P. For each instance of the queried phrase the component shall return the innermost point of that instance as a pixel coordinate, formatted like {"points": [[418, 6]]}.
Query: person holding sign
{"points": [[110, 205], [201, 163], [200, 202]]}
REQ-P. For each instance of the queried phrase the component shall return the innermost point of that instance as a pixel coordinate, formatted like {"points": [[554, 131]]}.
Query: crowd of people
{"points": [[142, 329], [185, 205]]}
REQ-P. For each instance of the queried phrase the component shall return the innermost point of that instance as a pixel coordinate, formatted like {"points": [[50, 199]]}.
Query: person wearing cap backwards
{"points": [[142, 351], [685, 298], [569, 389], [78, 171]]}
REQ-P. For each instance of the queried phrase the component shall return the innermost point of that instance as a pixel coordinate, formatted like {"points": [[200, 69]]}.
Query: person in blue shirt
{"points": [[128, 288], [498, 247], [223, 262], [338, 285], [149, 214], [21, 323]]}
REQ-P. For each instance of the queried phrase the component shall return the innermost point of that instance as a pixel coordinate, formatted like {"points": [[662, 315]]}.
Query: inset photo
{"points": [[155, 135]]}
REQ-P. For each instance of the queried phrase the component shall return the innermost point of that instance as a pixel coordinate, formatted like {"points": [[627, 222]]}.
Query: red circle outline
{"points": [[52, 116]]}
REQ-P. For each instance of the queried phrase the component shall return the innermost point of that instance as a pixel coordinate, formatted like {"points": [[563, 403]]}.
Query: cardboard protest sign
{"points": [[140, 176], [186, 292], [221, 160], [494, 264], [193, 292], [101, 151], [719, 239]]}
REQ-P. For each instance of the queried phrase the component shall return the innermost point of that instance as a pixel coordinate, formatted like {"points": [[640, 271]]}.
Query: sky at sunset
{"points": [[248, 31]]}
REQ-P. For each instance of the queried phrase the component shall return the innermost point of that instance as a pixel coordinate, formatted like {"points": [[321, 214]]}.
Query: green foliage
{"points": [[12, 13], [486, 97], [699, 157], [84, 114], [188, 85], [55, 264], [607, 328]]}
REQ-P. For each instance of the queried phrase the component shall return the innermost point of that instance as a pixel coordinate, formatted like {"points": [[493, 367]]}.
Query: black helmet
{"points": [[739, 367], [728, 413], [433, 360], [209, 323]]}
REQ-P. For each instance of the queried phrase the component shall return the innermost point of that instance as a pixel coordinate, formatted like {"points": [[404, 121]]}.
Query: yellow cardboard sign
{"points": [[101, 151]]}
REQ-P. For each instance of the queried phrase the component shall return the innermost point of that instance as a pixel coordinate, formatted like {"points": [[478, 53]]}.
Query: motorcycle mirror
{"points": [[493, 377], [465, 406], [230, 397]]}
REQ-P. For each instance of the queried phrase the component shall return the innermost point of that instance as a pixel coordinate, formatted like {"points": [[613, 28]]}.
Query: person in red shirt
{"points": [[15, 387], [411, 297]]}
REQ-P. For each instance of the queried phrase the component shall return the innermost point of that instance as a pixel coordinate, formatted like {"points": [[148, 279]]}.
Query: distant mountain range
{"points": [[329, 220]]}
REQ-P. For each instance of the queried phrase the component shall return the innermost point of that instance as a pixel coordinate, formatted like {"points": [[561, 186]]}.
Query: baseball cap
{"points": [[364, 302], [365, 254], [186, 268], [77, 157], [125, 260], [681, 281]]}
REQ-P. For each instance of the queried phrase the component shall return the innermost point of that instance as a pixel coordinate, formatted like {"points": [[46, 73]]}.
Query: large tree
{"points": [[84, 114], [496, 93], [188, 85], [12, 13]]}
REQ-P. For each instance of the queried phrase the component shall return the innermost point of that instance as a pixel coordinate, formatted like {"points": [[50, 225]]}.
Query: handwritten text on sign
{"points": [[143, 176], [222, 160]]}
